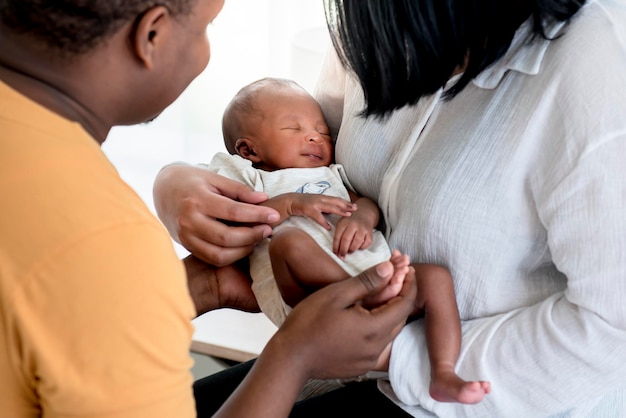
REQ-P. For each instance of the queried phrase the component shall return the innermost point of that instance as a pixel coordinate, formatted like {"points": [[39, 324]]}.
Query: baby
{"points": [[280, 144]]}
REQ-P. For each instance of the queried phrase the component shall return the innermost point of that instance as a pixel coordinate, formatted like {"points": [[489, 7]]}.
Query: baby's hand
{"points": [[315, 206], [351, 234]]}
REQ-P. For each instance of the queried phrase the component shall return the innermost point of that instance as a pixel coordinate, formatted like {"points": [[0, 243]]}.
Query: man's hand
{"points": [[328, 335], [219, 287], [336, 336]]}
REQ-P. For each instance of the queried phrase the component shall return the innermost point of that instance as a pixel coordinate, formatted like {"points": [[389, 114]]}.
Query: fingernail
{"points": [[273, 217]]}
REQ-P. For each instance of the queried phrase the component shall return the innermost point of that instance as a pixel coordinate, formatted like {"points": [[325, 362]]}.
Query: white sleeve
{"points": [[569, 351]]}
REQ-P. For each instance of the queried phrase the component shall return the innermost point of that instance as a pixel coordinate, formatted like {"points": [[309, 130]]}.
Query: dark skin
{"points": [[99, 91], [214, 288], [292, 366], [131, 78], [61, 88], [234, 227]]}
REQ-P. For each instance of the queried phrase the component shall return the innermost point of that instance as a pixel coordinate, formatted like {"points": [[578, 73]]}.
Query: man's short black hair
{"points": [[75, 26]]}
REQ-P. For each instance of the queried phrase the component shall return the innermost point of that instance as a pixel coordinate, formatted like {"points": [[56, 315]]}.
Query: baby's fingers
{"points": [[337, 206], [344, 242]]}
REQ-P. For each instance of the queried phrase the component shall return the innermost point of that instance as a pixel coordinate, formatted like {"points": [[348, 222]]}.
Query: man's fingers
{"points": [[405, 301], [388, 318], [367, 283]]}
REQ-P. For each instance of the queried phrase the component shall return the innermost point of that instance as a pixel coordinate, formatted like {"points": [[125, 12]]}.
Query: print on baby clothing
{"points": [[314, 188]]}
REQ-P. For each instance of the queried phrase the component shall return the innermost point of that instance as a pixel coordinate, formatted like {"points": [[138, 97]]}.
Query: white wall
{"points": [[250, 39]]}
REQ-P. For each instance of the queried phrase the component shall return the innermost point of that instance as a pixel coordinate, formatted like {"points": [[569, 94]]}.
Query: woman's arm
{"points": [[566, 352], [215, 218]]}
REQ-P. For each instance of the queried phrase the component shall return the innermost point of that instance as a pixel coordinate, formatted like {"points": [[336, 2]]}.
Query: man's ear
{"points": [[245, 149], [151, 29]]}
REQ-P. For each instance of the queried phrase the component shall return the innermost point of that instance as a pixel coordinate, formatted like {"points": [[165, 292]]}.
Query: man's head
{"points": [[117, 62], [71, 27], [275, 123]]}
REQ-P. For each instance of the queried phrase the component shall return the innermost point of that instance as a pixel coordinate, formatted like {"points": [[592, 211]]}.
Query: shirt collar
{"points": [[522, 56]]}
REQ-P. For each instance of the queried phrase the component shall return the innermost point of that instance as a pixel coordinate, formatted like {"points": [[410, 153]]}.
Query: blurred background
{"points": [[250, 39]]}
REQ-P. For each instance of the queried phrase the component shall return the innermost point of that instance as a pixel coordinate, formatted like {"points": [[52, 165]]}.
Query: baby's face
{"points": [[292, 132]]}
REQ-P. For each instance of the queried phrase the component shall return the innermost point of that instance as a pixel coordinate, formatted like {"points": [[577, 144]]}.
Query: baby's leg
{"points": [[300, 265], [443, 334]]}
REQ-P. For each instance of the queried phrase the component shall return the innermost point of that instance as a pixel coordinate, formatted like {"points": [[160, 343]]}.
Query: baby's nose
{"points": [[315, 137]]}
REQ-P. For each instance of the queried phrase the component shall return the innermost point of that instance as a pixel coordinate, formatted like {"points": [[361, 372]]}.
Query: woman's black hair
{"points": [[402, 50], [76, 26]]}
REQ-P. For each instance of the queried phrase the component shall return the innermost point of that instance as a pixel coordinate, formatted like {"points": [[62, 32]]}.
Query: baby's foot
{"points": [[448, 387], [400, 269]]}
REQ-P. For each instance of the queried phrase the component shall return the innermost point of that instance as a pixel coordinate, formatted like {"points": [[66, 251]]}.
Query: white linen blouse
{"points": [[518, 187]]}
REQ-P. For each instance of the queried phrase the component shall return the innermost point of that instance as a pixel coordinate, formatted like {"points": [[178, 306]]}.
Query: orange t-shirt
{"points": [[94, 308]]}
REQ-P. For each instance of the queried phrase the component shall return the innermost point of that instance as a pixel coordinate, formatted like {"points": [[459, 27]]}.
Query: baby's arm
{"points": [[356, 232], [314, 206]]}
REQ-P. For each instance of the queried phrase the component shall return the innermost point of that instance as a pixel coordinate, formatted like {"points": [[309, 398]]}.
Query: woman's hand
{"points": [[215, 218]]}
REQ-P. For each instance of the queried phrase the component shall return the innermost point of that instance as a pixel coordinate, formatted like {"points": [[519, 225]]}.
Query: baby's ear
{"points": [[245, 149]]}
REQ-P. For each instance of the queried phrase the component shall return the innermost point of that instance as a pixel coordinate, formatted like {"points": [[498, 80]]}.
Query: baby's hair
{"points": [[243, 107]]}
